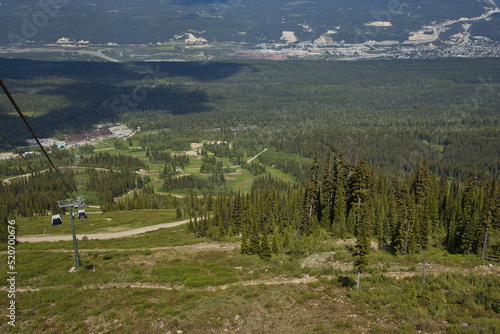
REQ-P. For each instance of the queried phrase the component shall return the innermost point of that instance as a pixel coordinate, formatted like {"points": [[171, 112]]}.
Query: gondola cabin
{"points": [[82, 214], [56, 220]]}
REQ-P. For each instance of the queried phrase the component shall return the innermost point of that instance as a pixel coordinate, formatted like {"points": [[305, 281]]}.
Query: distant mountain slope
{"points": [[251, 21]]}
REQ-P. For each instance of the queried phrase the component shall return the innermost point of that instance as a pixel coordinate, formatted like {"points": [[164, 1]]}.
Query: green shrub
{"points": [[213, 233]]}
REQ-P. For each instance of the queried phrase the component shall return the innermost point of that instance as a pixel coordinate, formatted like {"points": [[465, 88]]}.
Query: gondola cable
{"points": [[13, 102], [56, 219]]}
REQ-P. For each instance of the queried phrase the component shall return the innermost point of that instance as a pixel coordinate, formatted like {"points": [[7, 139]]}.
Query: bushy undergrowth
{"points": [[449, 302], [176, 285]]}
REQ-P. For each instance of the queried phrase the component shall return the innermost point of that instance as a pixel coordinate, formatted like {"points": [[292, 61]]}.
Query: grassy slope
{"points": [[150, 284], [97, 222], [240, 179], [201, 289]]}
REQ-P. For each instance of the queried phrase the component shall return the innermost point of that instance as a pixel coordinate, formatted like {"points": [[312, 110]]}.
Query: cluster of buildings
{"points": [[46, 142], [72, 139], [477, 47], [88, 136], [459, 45], [106, 131], [280, 54]]}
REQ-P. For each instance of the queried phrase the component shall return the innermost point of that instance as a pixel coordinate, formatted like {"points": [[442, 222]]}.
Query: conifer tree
{"points": [[362, 247], [451, 212], [424, 188], [395, 209], [351, 222], [490, 212], [311, 200], [468, 226], [237, 211], [190, 226], [327, 191], [361, 185], [265, 249], [411, 235], [340, 229], [361, 251], [275, 248], [403, 221], [254, 239], [380, 207], [245, 247]]}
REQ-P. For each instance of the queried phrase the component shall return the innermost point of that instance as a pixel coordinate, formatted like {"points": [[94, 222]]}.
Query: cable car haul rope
{"points": [[70, 203], [13, 102]]}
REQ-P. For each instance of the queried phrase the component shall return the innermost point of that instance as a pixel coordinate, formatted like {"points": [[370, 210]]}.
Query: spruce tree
{"points": [[327, 191], [254, 239], [490, 212], [404, 238], [339, 224], [340, 229], [394, 210], [412, 229], [275, 248], [351, 222], [265, 249], [311, 200], [361, 185], [426, 200], [237, 211], [190, 226], [361, 251], [245, 247], [451, 212], [362, 247], [468, 229]]}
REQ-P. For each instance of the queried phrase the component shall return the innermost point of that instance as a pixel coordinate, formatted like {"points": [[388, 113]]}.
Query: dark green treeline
{"points": [[350, 200]]}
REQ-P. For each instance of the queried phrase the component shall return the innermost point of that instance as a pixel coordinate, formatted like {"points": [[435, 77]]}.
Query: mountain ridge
{"points": [[241, 21]]}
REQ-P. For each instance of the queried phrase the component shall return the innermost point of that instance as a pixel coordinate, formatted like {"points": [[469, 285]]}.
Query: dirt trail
{"points": [[102, 236], [255, 157], [138, 285], [104, 149], [227, 246], [430, 268], [268, 281]]}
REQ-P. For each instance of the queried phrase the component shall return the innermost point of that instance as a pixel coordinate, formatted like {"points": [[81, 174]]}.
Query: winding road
{"points": [[437, 29]]}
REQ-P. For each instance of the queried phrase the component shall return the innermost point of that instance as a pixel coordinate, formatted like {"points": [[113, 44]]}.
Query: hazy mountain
{"points": [[252, 21]]}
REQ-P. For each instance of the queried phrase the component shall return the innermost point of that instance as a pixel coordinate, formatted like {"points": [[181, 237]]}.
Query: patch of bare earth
{"points": [[194, 148]]}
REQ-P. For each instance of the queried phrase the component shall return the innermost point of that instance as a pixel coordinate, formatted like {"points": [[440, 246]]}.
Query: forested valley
{"points": [[441, 112], [372, 166], [395, 113]]}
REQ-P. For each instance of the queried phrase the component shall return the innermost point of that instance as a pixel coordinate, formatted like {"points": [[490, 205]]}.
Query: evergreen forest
{"points": [[290, 187]]}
